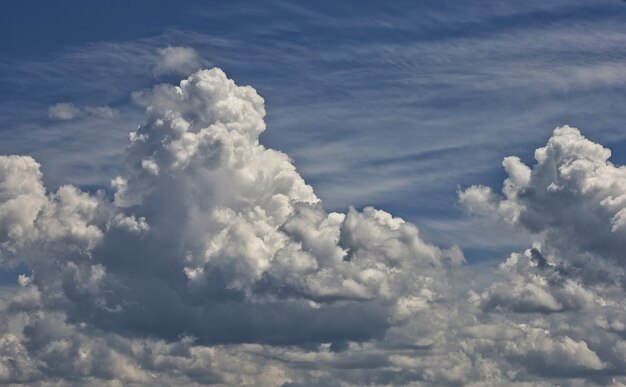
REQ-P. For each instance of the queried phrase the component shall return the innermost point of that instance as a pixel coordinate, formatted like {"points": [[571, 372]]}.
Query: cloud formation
{"points": [[214, 262], [177, 60], [66, 111], [573, 200]]}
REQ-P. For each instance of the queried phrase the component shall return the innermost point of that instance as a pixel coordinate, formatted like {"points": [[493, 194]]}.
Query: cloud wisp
{"points": [[66, 111], [215, 262]]}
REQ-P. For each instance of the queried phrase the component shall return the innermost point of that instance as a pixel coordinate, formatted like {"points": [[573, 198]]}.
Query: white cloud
{"points": [[177, 60]]}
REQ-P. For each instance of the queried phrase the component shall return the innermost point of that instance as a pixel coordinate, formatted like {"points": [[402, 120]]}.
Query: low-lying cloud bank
{"points": [[216, 263]]}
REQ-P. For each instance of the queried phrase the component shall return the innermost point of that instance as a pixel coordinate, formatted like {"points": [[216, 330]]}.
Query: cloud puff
{"points": [[216, 263], [177, 61], [63, 111], [68, 111]]}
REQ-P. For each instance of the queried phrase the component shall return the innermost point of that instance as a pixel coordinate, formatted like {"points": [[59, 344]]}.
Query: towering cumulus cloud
{"points": [[214, 263], [211, 237]]}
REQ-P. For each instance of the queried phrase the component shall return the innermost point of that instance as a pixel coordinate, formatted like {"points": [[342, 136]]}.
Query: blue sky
{"points": [[396, 105]]}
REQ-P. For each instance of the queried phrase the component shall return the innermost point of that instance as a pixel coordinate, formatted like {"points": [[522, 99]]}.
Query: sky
{"points": [[192, 189]]}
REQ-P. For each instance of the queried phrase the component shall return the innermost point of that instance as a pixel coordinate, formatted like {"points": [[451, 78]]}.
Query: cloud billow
{"points": [[216, 263]]}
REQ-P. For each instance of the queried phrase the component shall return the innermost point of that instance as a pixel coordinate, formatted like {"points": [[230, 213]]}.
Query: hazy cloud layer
{"points": [[215, 262]]}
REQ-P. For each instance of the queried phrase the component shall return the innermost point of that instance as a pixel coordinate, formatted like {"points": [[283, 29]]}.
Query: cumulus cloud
{"points": [[215, 262], [211, 225], [573, 200], [177, 61], [68, 111]]}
